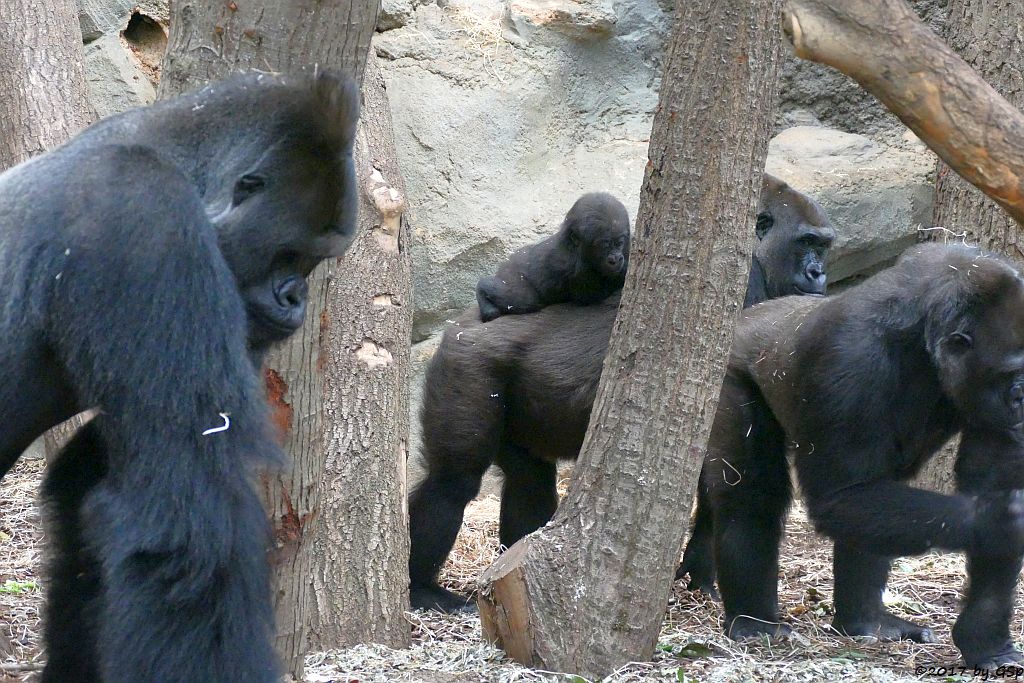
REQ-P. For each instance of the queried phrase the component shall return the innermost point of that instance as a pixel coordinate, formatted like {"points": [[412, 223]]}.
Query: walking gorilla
{"points": [[583, 263], [917, 352], [148, 263], [538, 376]]}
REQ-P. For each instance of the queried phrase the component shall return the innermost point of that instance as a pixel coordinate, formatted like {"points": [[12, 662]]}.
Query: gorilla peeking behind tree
{"points": [[583, 263], [517, 391], [147, 265], [866, 386]]}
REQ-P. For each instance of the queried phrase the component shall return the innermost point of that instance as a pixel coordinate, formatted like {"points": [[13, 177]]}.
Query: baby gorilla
{"points": [[583, 263]]}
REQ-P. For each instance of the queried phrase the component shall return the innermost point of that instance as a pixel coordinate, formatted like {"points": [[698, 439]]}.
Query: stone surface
{"points": [[115, 81], [497, 139], [877, 195]]}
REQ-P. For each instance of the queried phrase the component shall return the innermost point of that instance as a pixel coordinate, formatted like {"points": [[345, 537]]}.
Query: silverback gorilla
{"points": [[583, 263], [517, 391], [866, 386], [147, 264]]}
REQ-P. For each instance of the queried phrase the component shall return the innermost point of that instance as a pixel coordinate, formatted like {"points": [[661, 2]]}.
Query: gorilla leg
{"points": [[750, 492], [860, 578], [436, 508], [528, 495], [72, 571], [698, 558], [982, 631]]}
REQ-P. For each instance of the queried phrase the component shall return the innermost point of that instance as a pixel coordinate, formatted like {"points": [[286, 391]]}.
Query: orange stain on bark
{"points": [[280, 410]]}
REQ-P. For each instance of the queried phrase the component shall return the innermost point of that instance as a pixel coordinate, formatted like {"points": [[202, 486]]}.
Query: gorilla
{"points": [[583, 263], [989, 460], [793, 239], [517, 391], [148, 264], [798, 249], [866, 386]]}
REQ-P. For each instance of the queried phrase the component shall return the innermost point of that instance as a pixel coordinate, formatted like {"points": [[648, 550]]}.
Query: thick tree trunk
{"points": [[884, 46], [588, 592], [42, 102], [361, 550], [989, 35], [42, 77], [208, 41]]}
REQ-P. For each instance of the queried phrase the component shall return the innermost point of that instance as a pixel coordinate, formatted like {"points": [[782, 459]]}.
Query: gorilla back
{"points": [[147, 263]]}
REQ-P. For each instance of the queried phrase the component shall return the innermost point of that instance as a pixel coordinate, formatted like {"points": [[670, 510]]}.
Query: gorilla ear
{"points": [[765, 221], [958, 342], [574, 239]]}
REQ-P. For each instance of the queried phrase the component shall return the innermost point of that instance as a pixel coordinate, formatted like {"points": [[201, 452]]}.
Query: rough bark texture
{"points": [[361, 550], [42, 77], [208, 41], [884, 46], [588, 592], [989, 35], [42, 100]]}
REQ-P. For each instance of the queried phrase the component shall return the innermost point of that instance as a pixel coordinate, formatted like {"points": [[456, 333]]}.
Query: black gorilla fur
{"points": [[517, 391], [583, 263], [866, 386], [148, 263]]}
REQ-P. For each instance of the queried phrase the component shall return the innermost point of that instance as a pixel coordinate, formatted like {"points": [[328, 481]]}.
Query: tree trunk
{"points": [[989, 35], [884, 46], [208, 41], [588, 592], [42, 77], [361, 550], [43, 102]]}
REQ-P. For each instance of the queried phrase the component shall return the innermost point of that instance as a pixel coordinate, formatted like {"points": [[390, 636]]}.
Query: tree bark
{"points": [[42, 78], [884, 46], [989, 35], [587, 593], [43, 102], [208, 41], [361, 551]]}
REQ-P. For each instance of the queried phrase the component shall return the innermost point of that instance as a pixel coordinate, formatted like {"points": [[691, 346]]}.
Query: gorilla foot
{"points": [[886, 628], [705, 587], [748, 628], [439, 599], [1006, 655]]}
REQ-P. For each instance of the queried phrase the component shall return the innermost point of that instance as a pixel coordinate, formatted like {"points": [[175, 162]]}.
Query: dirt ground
{"points": [[448, 648]]}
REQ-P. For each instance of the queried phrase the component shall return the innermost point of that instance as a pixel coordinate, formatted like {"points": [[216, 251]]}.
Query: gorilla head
{"points": [[793, 238], [598, 226]]}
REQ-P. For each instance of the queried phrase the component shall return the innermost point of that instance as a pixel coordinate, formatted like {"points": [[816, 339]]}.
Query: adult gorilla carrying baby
{"points": [[517, 392], [149, 263]]}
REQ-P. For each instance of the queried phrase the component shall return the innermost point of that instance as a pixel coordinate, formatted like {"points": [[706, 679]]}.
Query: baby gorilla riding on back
{"points": [[582, 263], [517, 392]]}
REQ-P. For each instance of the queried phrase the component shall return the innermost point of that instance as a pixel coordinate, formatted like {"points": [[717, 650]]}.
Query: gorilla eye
{"points": [[960, 341], [246, 186], [765, 221]]}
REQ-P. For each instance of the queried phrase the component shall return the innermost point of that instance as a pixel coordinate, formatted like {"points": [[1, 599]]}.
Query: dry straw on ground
{"points": [[691, 647]]}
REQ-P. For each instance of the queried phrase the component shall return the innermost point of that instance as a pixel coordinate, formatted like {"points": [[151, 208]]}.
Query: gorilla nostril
{"points": [[292, 292]]}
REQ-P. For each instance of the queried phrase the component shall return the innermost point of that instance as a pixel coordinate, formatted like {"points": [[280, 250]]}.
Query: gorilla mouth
{"points": [[808, 292]]}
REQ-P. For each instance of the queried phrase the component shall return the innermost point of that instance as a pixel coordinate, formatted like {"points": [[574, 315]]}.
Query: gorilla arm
{"points": [[175, 520]]}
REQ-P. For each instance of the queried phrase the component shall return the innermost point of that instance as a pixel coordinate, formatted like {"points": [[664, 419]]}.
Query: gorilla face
{"points": [[598, 227], [794, 236], [293, 197], [981, 359]]}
